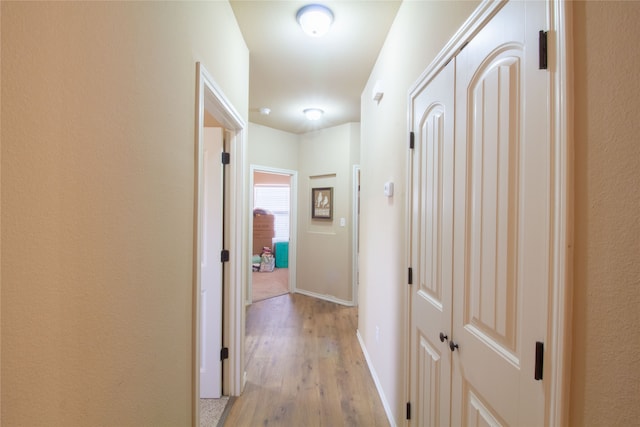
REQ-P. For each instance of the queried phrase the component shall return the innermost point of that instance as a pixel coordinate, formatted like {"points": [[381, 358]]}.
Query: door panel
{"points": [[491, 286], [430, 376], [478, 414], [431, 248], [211, 267], [501, 225]]}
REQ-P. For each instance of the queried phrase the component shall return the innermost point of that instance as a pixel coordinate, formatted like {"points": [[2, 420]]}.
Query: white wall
{"points": [[98, 118], [419, 32]]}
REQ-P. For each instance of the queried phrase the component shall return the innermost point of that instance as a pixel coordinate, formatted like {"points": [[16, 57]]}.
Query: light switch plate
{"points": [[388, 189]]}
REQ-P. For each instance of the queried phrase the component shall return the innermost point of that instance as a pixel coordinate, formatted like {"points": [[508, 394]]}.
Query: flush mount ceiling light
{"points": [[313, 113], [315, 19]]}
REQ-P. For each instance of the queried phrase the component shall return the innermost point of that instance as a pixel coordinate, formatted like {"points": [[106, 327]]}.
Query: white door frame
{"points": [[293, 222], [356, 234], [557, 365], [211, 99]]}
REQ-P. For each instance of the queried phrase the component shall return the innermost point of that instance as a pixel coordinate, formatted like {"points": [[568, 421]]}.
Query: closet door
{"points": [[501, 222], [431, 248]]}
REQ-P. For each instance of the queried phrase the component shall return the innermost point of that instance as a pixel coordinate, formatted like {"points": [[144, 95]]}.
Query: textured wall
{"points": [[605, 386], [98, 113]]}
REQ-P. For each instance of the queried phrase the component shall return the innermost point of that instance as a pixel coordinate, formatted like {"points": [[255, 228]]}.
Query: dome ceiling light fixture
{"points": [[313, 113], [315, 19]]}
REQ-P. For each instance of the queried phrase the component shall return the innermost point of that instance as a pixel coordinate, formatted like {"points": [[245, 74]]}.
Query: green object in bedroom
{"points": [[282, 254]]}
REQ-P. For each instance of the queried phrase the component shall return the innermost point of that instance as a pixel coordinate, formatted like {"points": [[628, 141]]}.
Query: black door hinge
{"points": [[225, 158], [542, 49], [224, 255], [410, 278], [408, 410], [224, 353], [539, 359], [412, 138]]}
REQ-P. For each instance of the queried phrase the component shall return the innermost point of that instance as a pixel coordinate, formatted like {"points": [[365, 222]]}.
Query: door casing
{"points": [[210, 97]]}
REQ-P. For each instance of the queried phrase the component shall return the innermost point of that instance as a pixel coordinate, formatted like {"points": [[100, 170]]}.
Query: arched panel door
{"points": [[502, 222], [431, 248]]}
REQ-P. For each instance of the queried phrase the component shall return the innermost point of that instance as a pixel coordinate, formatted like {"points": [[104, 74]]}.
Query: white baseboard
{"points": [[385, 403], [325, 297]]}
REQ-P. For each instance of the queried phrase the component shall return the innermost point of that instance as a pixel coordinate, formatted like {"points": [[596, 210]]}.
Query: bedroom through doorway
{"points": [[272, 229]]}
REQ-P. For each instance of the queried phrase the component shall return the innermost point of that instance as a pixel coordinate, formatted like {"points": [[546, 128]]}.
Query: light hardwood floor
{"points": [[305, 367]]}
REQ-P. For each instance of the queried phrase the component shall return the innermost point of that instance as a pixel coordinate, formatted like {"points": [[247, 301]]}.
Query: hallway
{"points": [[305, 367]]}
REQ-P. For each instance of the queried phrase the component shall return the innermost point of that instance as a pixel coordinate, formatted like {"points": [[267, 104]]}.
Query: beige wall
{"points": [[420, 30], [98, 112], [605, 386], [272, 147], [324, 247]]}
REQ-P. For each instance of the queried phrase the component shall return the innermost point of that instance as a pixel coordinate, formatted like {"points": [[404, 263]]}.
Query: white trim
{"points": [[211, 98], [374, 375], [355, 234], [325, 297], [293, 223], [560, 299]]}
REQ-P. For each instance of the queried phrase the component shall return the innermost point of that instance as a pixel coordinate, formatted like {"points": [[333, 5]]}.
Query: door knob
{"points": [[453, 346], [443, 337]]}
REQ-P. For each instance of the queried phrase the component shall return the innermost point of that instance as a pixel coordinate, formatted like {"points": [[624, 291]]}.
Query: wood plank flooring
{"points": [[305, 367]]}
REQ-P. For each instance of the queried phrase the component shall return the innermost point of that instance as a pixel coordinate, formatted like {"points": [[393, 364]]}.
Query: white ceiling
{"points": [[290, 71]]}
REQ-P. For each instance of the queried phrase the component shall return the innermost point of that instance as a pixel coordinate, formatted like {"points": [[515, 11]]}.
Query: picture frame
{"points": [[322, 203]]}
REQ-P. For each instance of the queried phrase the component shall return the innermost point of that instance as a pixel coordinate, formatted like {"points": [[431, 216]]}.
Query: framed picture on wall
{"points": [[322, 203]]}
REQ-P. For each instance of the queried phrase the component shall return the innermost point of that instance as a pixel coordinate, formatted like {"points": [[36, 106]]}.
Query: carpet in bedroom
{"points": [[214, 411]]}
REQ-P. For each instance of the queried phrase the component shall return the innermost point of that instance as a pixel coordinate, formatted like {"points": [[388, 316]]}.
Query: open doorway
{"points": [[218, 187], [272, 228]]}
